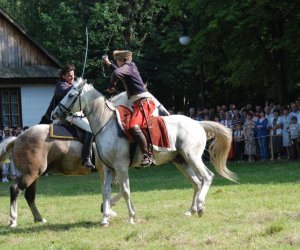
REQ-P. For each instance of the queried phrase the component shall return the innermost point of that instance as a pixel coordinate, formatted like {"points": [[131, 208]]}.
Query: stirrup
{"points": [[147, 160]]}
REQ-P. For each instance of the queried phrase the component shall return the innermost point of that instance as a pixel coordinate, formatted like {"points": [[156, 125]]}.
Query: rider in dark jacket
{"points": [[64, 84], [138, 95]]}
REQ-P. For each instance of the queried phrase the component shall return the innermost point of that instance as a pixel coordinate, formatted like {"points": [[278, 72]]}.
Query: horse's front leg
{"points": [[125, 189], [106, 192]]}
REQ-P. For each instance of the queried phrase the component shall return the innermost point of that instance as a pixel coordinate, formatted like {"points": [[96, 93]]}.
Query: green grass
{"points": [[261, 212]]}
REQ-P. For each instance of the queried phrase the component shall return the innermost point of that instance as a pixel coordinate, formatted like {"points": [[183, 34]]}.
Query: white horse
{"points": [[189, 137]]}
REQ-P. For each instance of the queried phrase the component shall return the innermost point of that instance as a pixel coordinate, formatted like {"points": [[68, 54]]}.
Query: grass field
{"points": [[261, 212]]}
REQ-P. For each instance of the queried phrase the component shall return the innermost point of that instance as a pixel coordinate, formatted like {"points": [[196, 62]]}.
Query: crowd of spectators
{"points": [[9, 171], [261, 132]]}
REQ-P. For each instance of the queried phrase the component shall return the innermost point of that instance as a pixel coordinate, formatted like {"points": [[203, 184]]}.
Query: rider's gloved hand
{"points": [[106, 60]]}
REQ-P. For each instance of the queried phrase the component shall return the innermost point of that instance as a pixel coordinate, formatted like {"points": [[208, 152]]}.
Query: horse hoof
{"points": [[104, 224], [42, 220], [201, 211], [12, 224], [188, 213], [131, 221]]}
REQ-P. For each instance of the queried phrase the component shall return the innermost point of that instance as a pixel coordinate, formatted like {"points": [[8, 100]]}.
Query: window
{"points": [[10, 107]]}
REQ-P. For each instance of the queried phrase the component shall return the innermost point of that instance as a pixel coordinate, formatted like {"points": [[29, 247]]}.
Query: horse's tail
{"points": [[6, 147], [219, 147]]}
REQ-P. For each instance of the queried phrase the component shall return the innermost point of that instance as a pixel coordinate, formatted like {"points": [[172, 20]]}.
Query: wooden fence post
{"points": [[271, 144]]}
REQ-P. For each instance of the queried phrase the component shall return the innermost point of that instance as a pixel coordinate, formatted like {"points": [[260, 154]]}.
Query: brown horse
{"points": [[34, 152]]}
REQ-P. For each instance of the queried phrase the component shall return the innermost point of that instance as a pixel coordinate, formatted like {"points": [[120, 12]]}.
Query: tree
{"points": [[243, 45], [248, 47]]}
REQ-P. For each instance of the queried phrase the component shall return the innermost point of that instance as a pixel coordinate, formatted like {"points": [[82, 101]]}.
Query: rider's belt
{"points": [[140, 100]]}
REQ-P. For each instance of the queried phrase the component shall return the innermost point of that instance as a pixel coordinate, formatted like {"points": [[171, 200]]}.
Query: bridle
{"points": [[67, 110]]}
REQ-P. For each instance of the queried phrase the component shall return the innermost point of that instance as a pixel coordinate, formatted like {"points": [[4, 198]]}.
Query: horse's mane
{"points": [[99, 102], [92, 92], [119, 99]]}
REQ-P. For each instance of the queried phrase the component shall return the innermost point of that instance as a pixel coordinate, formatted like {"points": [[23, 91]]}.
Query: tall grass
{"points": [[261, 212]]}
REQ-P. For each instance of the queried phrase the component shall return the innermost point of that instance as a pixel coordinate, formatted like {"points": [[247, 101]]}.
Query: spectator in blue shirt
{"points": [[261, 133]]}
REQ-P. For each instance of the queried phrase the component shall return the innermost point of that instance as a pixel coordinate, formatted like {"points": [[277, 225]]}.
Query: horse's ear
{"points": [[80, 82]]}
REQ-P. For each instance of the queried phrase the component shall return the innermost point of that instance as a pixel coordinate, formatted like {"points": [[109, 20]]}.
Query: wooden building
{"points": [[28, 74]]}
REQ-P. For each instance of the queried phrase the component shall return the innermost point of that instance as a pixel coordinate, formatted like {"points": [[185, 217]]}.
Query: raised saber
{"points": [[86, 50]]}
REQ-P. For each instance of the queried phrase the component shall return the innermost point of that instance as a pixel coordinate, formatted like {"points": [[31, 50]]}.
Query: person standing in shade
{"points": [[250, 146], [275, 126], [261, 127], [238, 142], [294, 132]]}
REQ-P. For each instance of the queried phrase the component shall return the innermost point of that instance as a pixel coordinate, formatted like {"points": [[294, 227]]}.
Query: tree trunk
{"points": [[282, 82], [279, 61]]}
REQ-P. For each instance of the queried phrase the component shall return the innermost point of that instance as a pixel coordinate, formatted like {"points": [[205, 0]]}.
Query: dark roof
{"points": [[34, 71], [13, 22]]}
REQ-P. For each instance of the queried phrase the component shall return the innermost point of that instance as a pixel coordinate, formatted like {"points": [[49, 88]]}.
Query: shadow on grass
{"points": [[167, 177], [5, 230]]}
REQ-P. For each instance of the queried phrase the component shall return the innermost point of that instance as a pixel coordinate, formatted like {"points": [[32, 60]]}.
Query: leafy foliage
{"points": [[248, 46], [244, 45]]}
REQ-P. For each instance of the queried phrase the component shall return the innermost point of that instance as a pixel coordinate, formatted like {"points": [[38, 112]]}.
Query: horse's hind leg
{"points": [[30, 198], [15, 190], [118, 196], [115, 199], [207, 176], [14, 194], [125, 189], [189, 173]]}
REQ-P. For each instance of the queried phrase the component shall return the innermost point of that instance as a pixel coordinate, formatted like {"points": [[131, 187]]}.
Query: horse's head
{"points": [[72, 102]]}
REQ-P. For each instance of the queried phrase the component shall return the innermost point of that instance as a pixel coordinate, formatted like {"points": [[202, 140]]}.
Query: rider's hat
{"points": [[123, 55]]}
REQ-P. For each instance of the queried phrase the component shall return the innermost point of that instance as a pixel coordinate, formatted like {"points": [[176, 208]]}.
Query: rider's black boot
{"points": [[86, 150], [142, 142]]}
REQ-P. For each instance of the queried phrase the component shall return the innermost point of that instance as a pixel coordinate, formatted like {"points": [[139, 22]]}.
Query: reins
{"points": [[95, 134]]}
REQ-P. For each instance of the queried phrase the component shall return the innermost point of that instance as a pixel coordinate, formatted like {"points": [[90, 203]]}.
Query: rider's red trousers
{"points": [[142, 110]]}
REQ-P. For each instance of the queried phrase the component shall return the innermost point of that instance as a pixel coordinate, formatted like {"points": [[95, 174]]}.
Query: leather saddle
{"points": [[66, 132]]}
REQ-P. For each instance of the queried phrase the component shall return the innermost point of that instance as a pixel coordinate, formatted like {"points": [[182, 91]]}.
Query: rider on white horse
{"points": [[138, 95], [64, 84]]}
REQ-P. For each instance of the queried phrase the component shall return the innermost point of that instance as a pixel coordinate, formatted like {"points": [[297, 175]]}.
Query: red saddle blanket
{"points": [[157, 128]]}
